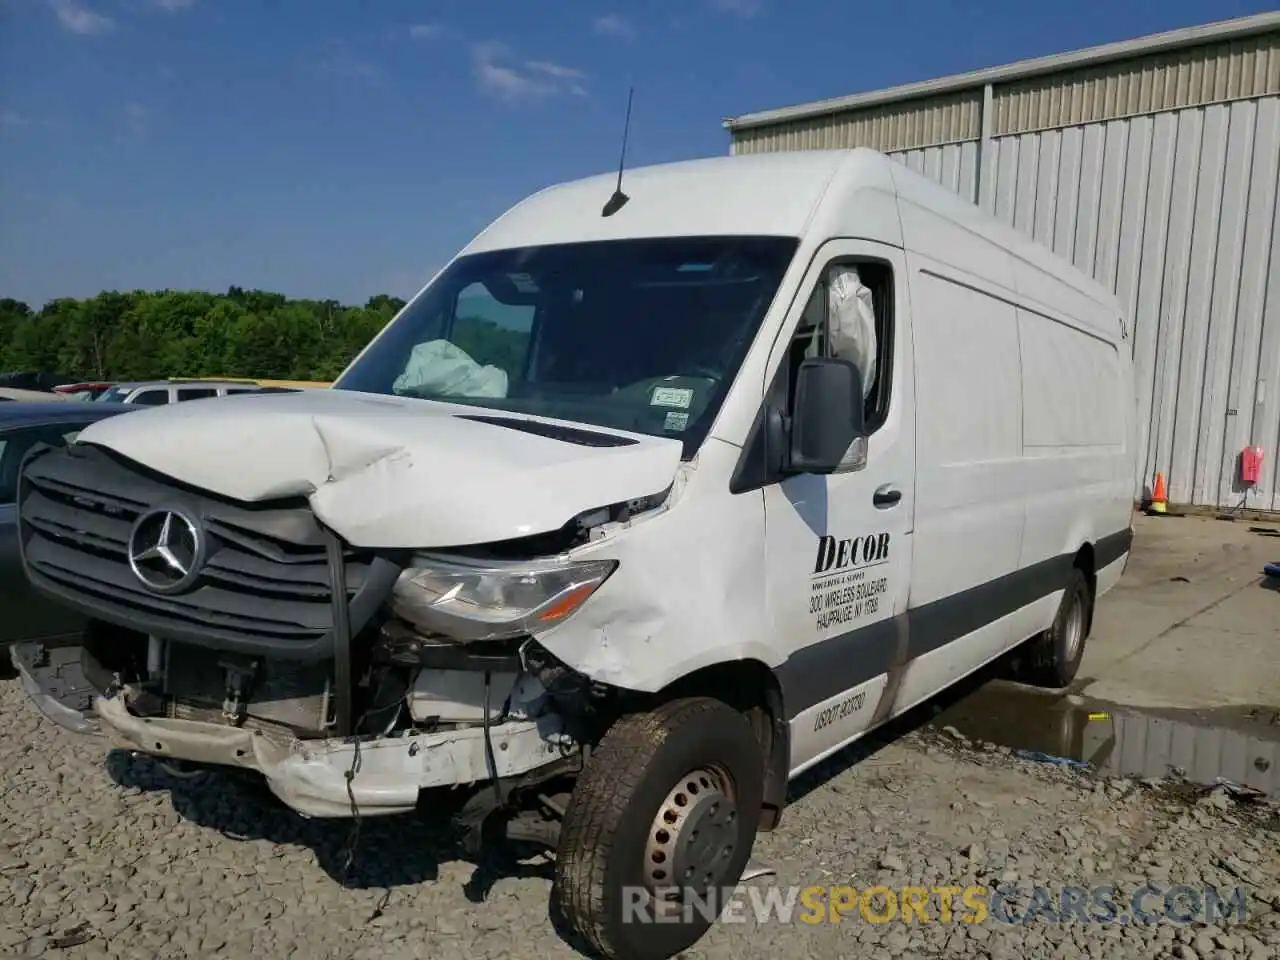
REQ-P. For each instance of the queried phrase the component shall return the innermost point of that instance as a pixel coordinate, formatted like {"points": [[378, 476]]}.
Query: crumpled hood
{"points": [[389, 471]]}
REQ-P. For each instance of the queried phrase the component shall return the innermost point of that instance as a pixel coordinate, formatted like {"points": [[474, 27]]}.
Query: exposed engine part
{"points": [[155, 658], [142, 701], [586, 706], [388, 687], [536, 827], [112, 656], [239, 685], [457, 696], [400, 643], [520, 809], [206, 685]]}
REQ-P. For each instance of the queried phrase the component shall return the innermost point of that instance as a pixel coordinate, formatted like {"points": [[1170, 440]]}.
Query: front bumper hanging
{"points": [[310, 776], [65, 692]]}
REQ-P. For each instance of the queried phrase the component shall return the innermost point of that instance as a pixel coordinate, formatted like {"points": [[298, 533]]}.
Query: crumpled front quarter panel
{"points": [[688, 591]]}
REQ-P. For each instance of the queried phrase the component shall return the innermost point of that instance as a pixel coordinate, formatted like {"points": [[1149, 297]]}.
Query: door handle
{"points": [[886, 496]]}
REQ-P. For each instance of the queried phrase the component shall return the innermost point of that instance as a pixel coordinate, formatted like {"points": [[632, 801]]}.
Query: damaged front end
{"points": [[251, 636]]}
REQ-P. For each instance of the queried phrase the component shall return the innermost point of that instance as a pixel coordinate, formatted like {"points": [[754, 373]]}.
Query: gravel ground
{"points": [[105, 856]]}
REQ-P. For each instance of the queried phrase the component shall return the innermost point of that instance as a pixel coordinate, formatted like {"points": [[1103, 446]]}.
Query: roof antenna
{"points": [[619, 199]]}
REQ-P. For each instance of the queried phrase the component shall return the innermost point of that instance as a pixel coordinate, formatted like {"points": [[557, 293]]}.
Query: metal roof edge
{"points": [[1120, 50]]}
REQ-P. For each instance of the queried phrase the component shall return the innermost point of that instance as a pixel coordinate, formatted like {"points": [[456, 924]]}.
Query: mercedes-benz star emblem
{"points": [[166, 550]]}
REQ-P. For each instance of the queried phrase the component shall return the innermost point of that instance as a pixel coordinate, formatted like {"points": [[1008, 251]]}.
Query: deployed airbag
{"points": [[444, 369], [851, 320]]}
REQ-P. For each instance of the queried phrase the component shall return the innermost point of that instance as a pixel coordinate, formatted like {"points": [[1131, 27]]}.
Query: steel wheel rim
{"points": [[691, 841]]}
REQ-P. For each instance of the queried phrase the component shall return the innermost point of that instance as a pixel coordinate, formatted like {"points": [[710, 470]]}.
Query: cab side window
{"points": [[151, 398], [814, 337]]}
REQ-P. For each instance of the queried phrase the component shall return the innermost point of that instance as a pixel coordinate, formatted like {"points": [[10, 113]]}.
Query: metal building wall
{"points": [[898, 126], [1157, 174], [954, 165], [1176, 213], [1146, 746]]}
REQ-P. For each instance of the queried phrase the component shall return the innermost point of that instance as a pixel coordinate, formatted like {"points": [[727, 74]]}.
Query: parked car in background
{"points": [[33, 396], [154, 393], [260, 382], [24, 614], [84, 390], [34, 380]]}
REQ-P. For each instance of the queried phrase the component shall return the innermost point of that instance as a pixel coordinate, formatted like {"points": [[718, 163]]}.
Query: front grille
{"points": [[266, 585]]}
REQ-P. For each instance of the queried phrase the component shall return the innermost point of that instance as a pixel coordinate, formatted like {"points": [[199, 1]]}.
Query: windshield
{"points": [[640, 335], [112, 395]]}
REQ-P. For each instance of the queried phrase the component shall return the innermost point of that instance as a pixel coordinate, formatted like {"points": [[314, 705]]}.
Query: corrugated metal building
{"points": [[1151, 164]]}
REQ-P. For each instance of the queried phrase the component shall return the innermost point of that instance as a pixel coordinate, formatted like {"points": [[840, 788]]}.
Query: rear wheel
{"points": [[659, 829], [1053, 658]]}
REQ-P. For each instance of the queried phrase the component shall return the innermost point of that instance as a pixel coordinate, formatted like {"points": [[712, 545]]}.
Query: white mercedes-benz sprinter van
{"points": [[628, 517]]}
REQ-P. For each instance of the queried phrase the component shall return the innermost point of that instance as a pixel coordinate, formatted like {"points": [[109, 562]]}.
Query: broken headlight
{"points": [[472, 600]]}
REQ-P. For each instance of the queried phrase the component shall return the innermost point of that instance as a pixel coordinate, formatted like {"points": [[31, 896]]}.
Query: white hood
{"points": [[388, 471]]}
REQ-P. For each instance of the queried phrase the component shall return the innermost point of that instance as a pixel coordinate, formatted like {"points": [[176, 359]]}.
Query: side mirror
{"points": [[827, 420]]}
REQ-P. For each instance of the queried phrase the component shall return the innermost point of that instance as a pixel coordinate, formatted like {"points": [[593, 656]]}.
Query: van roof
{"points": [[764, 194], [770, 194]]}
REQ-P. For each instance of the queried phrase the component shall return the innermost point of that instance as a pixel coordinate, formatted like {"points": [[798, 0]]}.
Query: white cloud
{"points": [[739, 8], [338, 61], [12, 119], [172, 5], [425, 31], [136, 118], [612, 25], [80, 19], [499, 75], [550, 69]]}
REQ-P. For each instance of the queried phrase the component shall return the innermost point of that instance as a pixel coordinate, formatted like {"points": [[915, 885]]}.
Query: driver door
{"points": [[838, 547]]}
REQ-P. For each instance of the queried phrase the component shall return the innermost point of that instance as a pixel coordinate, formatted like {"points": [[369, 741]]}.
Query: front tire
{"points": [[669, 802]]}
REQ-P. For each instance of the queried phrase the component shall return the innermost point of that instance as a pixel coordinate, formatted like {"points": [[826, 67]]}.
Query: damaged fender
{"points": [[645, 627]]}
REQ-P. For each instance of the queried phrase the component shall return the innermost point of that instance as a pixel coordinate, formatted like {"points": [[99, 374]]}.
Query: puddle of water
{"points": [[1241, 745]]}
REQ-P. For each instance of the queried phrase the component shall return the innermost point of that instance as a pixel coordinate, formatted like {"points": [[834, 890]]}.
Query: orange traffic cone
{"points": [[1159, 497]]}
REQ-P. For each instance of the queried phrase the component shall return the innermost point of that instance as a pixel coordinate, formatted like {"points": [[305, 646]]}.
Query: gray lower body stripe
{"points": [[823, 670], [936, 624], [1111, 548]]}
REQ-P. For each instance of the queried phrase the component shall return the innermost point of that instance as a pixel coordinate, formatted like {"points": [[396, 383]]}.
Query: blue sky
{"points": [[341, 148]]}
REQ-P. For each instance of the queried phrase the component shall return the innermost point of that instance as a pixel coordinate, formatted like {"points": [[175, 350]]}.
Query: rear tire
{"points": [[1054, 657], [669, 797]]}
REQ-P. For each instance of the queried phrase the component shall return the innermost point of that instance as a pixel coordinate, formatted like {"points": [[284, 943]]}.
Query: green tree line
{"points": [[174, 333]]}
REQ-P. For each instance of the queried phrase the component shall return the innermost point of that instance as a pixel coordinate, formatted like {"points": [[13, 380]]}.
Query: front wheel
{"points": [[659, 829]]}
